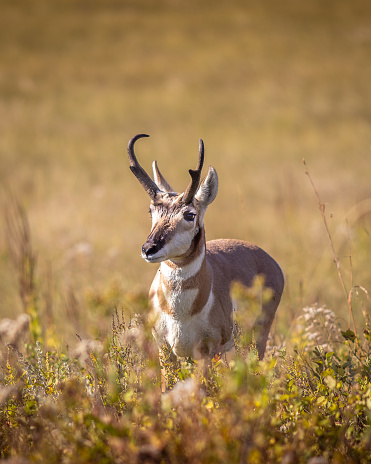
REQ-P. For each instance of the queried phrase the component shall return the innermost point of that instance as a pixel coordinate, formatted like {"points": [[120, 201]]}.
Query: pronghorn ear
{"points": [[208, 189]]}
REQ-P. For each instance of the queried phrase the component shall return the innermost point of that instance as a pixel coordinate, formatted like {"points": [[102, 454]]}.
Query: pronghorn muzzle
{"points": [[149, 249], [153, 245]]}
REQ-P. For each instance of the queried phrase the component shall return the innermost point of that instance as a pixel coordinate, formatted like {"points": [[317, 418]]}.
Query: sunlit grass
{"points": [[100, 400], [263, 85]]}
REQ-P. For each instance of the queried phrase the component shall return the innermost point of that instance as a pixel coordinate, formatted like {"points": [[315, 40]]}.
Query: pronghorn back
{"points": [[248, 261]]}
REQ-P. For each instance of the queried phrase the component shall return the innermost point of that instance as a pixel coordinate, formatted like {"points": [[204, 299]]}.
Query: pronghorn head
{"points": [[177, 218]]}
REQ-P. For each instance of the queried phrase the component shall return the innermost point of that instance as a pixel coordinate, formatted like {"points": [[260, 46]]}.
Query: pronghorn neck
{"points": [[184, 285], [189, 264]]}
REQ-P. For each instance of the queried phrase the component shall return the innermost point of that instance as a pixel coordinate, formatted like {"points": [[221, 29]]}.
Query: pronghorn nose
{"points": [[149, 248]]}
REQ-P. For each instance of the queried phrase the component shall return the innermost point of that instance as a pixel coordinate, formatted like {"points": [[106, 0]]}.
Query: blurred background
{"points": [[265, 84]]}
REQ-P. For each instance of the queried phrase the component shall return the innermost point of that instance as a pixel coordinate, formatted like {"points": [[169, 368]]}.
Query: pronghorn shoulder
{"points": [[227, 246], [233, 260]]}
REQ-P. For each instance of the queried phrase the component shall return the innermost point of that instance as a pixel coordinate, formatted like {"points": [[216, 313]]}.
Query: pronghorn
{"points": [[190, 294]]}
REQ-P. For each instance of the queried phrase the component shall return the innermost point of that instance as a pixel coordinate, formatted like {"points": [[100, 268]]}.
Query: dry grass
{"points": [[263, 84]]}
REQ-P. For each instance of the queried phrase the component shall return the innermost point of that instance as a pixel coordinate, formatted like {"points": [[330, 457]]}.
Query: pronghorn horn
{"points": [[160, 179], [149, 186], [195, 175]]}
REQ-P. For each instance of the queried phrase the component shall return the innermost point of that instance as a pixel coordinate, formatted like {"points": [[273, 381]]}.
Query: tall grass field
{"points": [[266, 85]]}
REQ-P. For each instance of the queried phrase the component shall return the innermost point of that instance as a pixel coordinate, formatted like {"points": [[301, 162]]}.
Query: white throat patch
{"points": [[184, 272]]}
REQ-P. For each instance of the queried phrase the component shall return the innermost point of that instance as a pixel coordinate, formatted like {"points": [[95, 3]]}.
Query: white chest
{"points": [[179, 301], [184, 334]]}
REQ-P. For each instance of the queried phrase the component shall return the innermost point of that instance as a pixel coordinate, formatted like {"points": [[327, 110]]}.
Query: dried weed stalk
{"points": [[19, 241], [322, 209]]}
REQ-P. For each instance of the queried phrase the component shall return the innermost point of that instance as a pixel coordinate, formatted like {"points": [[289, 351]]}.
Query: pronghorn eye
{"points": [[188, 216]]}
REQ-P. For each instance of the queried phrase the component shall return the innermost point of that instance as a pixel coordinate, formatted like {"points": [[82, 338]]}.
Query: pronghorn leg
{"points": [[206, 351], [210, 354], [206, 368], [262, 326], [167, 360], [163, 372], [229, 356]]}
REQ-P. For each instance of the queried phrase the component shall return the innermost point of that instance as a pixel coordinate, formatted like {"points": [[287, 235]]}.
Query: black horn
{"points": [[191, 190], [147, 183]]}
